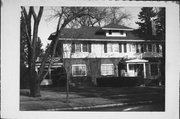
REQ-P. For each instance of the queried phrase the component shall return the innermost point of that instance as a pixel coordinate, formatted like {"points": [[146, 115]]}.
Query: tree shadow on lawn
{"points": [[109, 91]]}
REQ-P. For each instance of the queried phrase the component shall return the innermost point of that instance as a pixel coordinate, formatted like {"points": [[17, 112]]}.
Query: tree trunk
{"points": [[35, 83]]}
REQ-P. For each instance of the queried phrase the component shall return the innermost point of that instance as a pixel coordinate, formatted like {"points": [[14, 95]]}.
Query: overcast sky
{"points": [[47, 27]]}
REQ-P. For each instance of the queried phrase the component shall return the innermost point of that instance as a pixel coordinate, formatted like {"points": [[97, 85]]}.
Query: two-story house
{"points": [[101, 51]]}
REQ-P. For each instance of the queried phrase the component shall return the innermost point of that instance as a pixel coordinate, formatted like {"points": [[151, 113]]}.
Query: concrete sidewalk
{"points": [[79, 100]]}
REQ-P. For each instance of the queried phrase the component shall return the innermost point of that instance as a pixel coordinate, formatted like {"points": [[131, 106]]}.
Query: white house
{"points": [[99, 51]]}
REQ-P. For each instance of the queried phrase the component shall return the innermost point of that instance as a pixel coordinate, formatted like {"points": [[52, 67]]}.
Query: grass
{"points": [[56, 97]]}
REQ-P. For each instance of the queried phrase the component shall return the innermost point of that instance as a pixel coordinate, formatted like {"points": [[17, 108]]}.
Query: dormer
{"points": [[114, 30]]}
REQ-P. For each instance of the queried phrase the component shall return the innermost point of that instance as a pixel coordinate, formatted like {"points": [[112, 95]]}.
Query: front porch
{"points": [[141, 68]]}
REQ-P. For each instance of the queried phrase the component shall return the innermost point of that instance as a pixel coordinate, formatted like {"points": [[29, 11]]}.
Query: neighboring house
{"points": [[112, 50]]}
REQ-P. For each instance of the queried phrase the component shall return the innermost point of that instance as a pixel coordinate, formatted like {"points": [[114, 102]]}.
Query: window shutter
{"points": [[105, 47], [157, 48], [142, 48], [137, 48], [73, 48], [89, 47], [125, 47], [120, 47]]}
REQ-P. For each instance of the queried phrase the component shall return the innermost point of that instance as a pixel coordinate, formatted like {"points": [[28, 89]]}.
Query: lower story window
{"points": [[79, 70], [107, 69], [154, 69]]}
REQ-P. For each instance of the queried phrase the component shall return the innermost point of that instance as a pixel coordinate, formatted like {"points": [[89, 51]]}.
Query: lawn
{"points": [[55, 98]]}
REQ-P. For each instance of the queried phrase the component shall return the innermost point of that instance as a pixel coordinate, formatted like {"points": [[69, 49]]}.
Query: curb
{"points": [[97, 106]]}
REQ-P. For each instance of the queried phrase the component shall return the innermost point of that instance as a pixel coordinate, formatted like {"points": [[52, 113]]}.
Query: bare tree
{"points": [[65, 15], [32, 43], [116, 15]]}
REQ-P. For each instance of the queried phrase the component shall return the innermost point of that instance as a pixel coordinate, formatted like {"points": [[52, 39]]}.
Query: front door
{"points": [[139, 70]]}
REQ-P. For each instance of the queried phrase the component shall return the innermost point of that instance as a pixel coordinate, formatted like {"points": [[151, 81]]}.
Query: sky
{"points": [[46, 27]]}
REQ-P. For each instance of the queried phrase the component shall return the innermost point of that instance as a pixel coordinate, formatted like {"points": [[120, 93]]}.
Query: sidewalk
{"points": [[88, 98]]}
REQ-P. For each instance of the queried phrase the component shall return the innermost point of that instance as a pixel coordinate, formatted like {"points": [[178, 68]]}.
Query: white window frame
{"points": [[74, 65], [153, 47], [151, 68], [76, 47], [112, 48], [103, 74], [81, 47]]}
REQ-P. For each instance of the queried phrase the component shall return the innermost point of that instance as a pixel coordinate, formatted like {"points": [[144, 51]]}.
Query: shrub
{"points": [[116, 81]]}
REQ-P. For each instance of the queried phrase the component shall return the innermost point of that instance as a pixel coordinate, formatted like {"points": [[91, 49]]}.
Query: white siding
{"points": [[97, 51]]}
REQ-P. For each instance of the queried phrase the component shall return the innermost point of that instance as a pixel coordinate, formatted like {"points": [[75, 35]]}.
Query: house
{"points": [[112, 50]]}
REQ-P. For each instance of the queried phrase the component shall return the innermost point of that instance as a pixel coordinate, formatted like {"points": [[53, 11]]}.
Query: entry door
{"points": [[139, 70]]}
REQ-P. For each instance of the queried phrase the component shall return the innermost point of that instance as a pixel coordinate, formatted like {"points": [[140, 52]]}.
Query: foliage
{"points": [[94, 16], [116, 15], [145, 25], [160, 23]]}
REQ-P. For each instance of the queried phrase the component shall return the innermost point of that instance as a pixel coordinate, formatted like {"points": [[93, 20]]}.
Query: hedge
{"points": [[117, 81]]}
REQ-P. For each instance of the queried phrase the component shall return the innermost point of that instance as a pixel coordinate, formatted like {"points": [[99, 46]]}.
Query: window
{"points": [[79, 70], [78, 47], [112, 47], [133, 48], [107, 69], [158, 48], [154, 69], [154, 48], [85, 47], [150, 47], [137, 48]]}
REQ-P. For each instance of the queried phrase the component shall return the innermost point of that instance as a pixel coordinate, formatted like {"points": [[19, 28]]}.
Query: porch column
{"points": [[127, 69], [144, 69]]}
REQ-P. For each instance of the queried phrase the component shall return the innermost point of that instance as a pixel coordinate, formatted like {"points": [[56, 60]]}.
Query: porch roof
{"points": [[137, 61]]}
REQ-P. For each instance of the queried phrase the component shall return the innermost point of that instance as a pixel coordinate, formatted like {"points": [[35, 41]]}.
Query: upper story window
{"points": [[133, 48], [158, 48], [85, 47], [149, 47], [112, 47], [115, 33], [154, 48], [78, 47], [137, 48]]}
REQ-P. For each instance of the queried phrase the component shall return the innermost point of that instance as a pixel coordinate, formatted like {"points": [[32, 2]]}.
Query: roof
{"points": [[96, 34], [91, 33]]}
